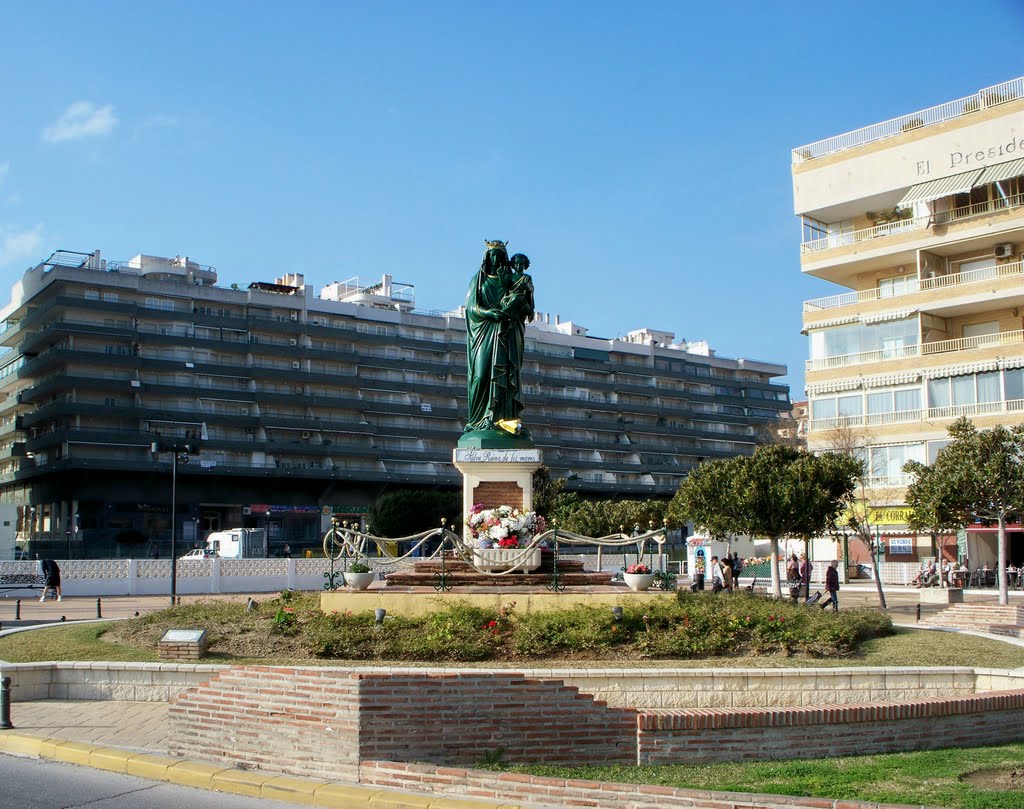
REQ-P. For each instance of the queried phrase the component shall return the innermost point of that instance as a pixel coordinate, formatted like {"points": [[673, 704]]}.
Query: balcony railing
{"points": [[915, 223], [988, 97], [924, 414], [917, 350], [913, 286]]}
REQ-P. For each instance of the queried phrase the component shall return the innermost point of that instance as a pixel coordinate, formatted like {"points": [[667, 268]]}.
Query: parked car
{"points": [[198, 553]]}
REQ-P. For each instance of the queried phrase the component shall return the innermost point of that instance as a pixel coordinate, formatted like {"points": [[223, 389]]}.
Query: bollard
{"points": [[919, 613], [5, 704], [99, 608], [17, 610]]}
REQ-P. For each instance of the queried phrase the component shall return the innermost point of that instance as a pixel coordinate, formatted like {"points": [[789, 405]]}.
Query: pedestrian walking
{"points": [[805, 577], [51, 579], [832, 586]]}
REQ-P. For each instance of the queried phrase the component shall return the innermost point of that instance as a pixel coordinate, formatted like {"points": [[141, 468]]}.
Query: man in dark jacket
{"points": [[832, 586], [51, 579]]}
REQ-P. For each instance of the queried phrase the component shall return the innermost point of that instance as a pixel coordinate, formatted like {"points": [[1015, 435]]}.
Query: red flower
{"points": [[492, 624]]}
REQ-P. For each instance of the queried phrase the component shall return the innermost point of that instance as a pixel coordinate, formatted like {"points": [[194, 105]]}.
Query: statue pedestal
{"points": [[497, 477]]}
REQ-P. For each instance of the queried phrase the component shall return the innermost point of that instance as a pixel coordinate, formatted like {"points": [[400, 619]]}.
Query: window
{"points": [[857, 338], [981, 329], [900, 285], [886, 463]]}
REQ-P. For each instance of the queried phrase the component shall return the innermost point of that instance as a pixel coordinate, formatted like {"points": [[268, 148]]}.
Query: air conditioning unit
{"points": [[296, 365], [295, 316], [1004, 250], [293, 342], [317, 322], [305, 433], [246, 511], [245, 411]]}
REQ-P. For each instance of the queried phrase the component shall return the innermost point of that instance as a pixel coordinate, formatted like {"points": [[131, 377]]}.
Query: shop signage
{"points": [[898, 515]]}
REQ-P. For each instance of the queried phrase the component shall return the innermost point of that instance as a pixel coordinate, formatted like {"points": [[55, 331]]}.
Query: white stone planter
{"points": [[638, 582], [359, 581], [505, 558]]}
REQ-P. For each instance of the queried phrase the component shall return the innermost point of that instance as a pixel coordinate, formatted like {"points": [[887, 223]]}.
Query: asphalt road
{"points": [[33, 784]]}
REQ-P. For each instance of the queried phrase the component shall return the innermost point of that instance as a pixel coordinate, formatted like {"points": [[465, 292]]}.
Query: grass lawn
{"points": [[931, 778]]}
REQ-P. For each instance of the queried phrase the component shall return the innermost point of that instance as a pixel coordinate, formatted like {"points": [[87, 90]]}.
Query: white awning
{"points": [[960, 370], [943, 187], [1002, 171], [831, 387], [882, 317]]}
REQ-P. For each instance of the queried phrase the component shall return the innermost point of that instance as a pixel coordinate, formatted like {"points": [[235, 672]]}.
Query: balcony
{"points": [[951, 413], [915, 286], [1006, 338], [915, 223], [983, 99]]}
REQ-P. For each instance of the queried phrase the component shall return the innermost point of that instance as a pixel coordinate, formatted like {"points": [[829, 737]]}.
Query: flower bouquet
{"points": [[504, 526], [499, 538], [638, 568]]}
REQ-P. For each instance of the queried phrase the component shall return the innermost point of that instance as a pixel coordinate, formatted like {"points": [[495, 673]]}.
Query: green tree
{"points": [[778, 491], [979, 475], [547, 491], [410, 511], [596, 518]]}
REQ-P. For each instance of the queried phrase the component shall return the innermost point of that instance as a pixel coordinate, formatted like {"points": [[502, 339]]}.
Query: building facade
{"points": [[307, 404], [920, 221]]}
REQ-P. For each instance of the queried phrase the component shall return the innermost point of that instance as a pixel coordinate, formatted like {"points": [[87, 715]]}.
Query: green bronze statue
{"points": [[498, 306]]}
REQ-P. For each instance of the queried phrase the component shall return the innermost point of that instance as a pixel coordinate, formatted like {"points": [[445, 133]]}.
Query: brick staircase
{"points": [[463, 574], [992, 618]]}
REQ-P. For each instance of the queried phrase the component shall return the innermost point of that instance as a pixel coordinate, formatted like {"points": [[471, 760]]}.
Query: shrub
{"points": [[359, 567]]}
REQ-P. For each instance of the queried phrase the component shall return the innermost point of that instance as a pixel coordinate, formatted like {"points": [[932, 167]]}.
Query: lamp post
{"points": [[176, 449]]}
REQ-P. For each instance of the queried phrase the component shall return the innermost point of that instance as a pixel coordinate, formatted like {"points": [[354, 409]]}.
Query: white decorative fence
{"points": [[100, 577]]}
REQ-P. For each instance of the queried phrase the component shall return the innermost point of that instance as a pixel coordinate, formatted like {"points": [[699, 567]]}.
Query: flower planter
{"points": [[638, 582], [359, 581], [505, 558]]}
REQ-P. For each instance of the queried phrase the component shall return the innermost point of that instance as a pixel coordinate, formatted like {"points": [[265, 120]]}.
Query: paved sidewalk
{"points": [[83, 608], [138, 726]]}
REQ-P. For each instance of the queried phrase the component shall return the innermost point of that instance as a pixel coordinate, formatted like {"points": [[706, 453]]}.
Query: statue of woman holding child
{"points": [[498, 306]]}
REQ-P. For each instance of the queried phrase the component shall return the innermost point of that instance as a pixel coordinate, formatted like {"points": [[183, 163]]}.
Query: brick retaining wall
{"points": [[537, 791], [303, 721], [297, 720], [706, 736], [460, 718]]}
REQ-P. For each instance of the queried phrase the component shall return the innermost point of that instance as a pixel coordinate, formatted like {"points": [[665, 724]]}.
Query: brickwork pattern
{"points": [[530, 790], [494, 493], [308, 721], [458, 718], [183, 652], [996, 619], [296, 720], [745, 734]]}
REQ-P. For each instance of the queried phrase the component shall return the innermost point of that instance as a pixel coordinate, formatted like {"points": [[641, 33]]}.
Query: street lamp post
{"points": [[176, 449]]}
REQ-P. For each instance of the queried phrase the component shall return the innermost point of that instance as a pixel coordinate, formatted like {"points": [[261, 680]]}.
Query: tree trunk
{"points": [[776, 582], [1004, 595], [877, 572]]}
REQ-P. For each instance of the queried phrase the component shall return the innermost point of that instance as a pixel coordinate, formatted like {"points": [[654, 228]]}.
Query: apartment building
{"points": [[920, 221], [306, 404]]}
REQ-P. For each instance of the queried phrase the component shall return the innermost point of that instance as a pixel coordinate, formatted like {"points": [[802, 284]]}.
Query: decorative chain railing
{"points": [[345, 544]]}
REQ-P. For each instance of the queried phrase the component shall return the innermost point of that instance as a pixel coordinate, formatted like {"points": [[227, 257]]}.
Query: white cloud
{"points": [[18, 245], [83, 119]]}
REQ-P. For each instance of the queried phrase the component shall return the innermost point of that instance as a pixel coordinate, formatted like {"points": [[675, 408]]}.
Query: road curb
{"points": [[202, 775]]}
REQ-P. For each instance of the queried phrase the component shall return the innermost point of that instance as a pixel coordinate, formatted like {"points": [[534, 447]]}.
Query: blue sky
{"points": [[639, 153]]}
